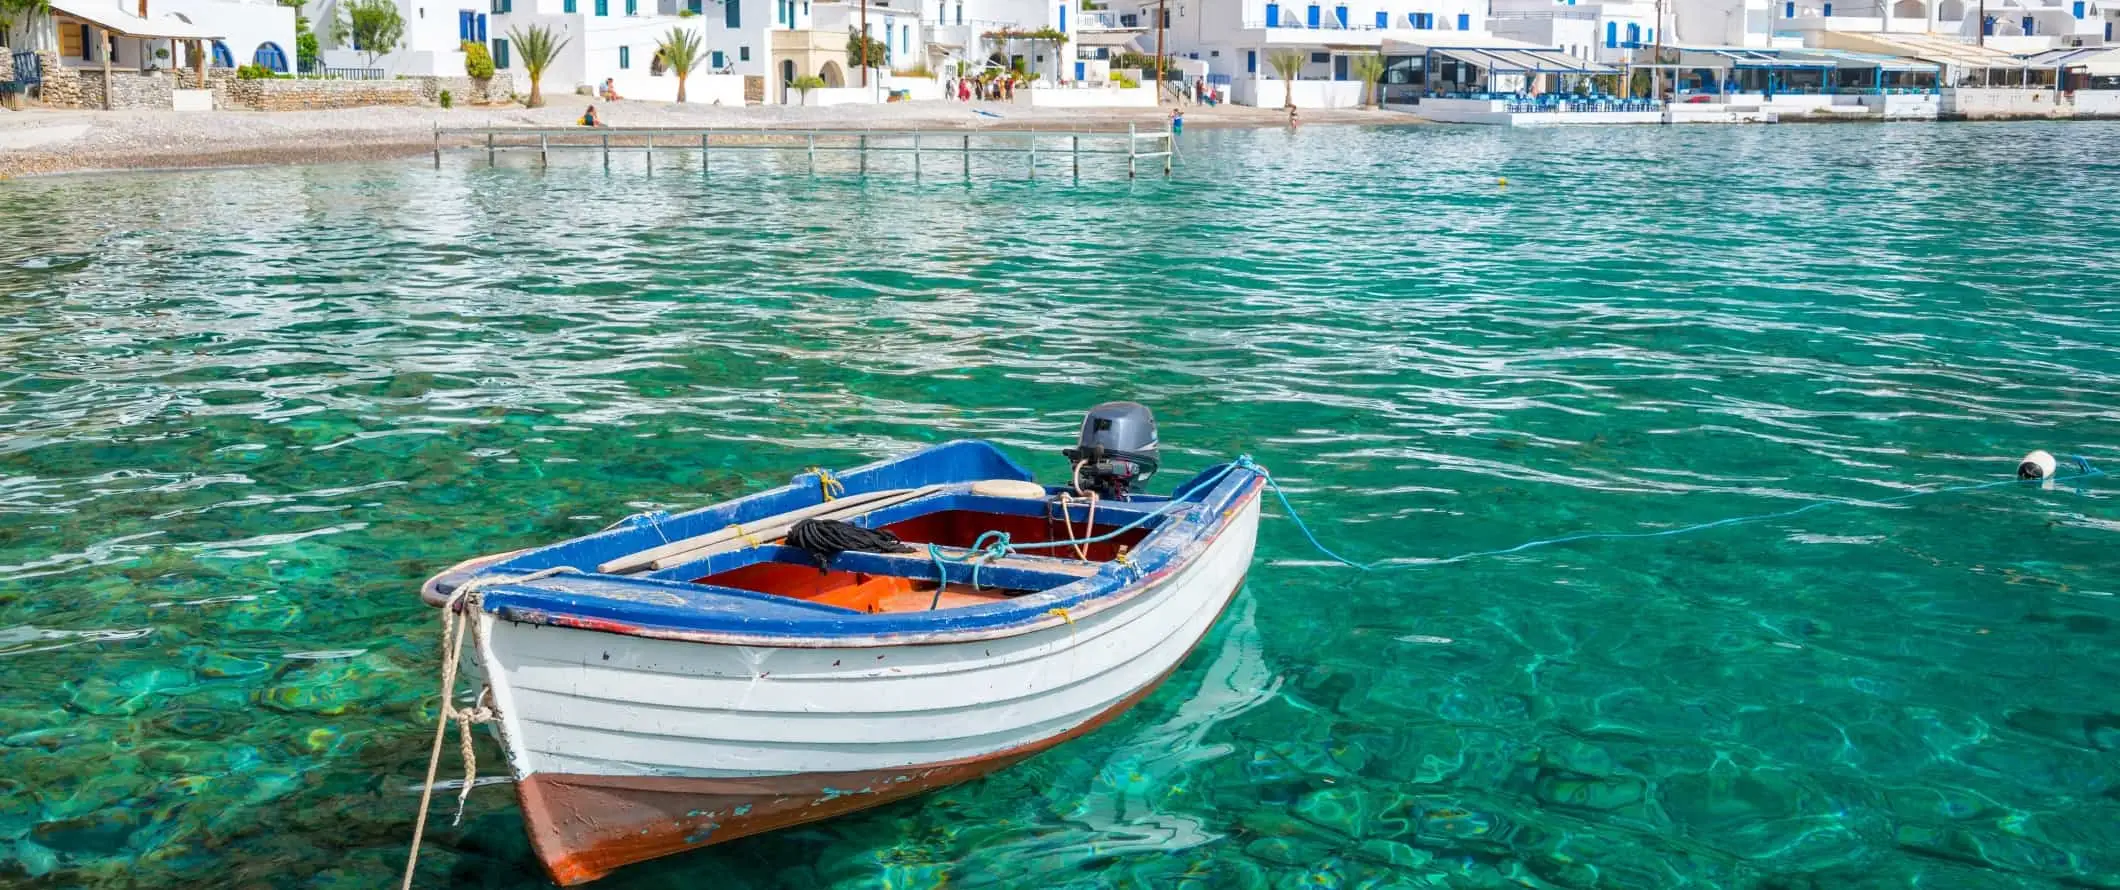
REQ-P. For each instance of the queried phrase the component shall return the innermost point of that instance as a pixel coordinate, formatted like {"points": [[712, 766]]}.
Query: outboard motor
{"points": [[1117, 450]]}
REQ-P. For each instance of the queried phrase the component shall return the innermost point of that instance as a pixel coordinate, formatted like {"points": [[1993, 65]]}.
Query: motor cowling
{"points": [[1117, 451]]}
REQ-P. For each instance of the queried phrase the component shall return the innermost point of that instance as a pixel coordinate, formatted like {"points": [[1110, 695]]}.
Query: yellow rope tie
{"points": [[1056, 610], [745, 536], [829, 484]]}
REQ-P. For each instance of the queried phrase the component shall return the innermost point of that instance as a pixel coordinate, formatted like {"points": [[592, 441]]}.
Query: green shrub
{"points": [[254, 72], [478, 63], [446, 99], [1125, 81]]}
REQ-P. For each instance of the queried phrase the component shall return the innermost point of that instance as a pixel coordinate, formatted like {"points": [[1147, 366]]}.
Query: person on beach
{"points": [[1177, 121], [610, 91], [1293, 121], [589, 118]]}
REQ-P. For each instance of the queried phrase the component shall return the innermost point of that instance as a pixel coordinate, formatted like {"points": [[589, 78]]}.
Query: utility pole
{"points": [[864, 41], [1162, 15], [1981, 29], [1658, 60]]}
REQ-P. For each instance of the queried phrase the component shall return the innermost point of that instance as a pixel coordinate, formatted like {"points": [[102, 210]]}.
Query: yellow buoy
{"points": [[1503, 182]]}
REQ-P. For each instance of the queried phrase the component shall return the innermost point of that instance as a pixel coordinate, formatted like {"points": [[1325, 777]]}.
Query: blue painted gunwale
{"points": [[661, 605]]}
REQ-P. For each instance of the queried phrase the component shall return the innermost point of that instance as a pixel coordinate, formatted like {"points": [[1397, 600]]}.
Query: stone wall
{"points": [[7, 64], [465, 91], [127, 89], [222, 81], [300, 95], [62, 87]]}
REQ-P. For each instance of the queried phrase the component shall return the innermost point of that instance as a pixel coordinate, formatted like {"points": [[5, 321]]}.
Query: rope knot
{"points": [[828, 484]]}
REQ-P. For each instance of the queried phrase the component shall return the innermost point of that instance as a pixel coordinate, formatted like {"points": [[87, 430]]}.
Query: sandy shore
{"points": [[38, 141]]}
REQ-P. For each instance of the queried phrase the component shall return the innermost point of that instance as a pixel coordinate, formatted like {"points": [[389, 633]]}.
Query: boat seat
{"points": [[1009, 488]]}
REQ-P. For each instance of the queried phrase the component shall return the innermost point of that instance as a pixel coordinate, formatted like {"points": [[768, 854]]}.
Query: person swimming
{"points": [[1177, 121]]}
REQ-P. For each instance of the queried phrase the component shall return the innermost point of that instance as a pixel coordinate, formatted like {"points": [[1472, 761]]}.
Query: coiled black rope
{"points": [[825, 539]]}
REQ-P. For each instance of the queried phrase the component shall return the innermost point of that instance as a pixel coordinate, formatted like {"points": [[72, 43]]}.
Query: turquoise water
{"points": [[244, 413]]}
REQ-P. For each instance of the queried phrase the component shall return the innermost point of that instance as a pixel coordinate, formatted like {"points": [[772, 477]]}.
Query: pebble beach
{"points": [[39, 141]]}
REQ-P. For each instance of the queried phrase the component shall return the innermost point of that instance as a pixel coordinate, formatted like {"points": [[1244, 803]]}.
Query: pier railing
{"points": [[950, 150]]}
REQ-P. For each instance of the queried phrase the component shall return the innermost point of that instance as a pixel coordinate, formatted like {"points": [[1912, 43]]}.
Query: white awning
{"points": [[109, 16], [1524, 61], [1105, 38]]}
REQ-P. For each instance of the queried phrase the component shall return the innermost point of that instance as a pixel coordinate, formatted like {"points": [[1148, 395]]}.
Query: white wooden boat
{"points": [[685, 680]]}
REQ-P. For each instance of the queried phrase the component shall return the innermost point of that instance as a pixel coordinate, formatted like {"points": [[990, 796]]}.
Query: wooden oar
{"points": [[774, 526]]}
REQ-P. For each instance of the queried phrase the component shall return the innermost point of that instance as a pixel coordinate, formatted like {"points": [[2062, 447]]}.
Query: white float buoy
{"points": [[2036, 465]]}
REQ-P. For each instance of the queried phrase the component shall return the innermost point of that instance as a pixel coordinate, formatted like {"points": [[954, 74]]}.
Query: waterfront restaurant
{"points": [[1524, 77], [1734, 71]]}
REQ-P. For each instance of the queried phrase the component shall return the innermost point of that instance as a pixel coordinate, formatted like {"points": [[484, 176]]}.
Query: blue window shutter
{"points": [[625, 57], [716, 63], [633, 7], [735, 9], [1611, 35], [1788, 10], [1273, 16], [2029, 26], [1826, 10], [1464, 21], [482, 28], [1251, 60], [1063, 17], [2077, 8], [500, 53], [568, 7], [1383, 20], [1311, 17], [1340, 13], [603, 7]]}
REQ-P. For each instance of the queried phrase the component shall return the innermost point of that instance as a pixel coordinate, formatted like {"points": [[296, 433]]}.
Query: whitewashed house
{"points": [[432, 46], [616, 40], [157, 34], [1609, 31], [1239, 38]]}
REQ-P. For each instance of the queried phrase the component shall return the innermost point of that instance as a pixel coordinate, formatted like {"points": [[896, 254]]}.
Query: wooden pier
{"points": [[952, 151]]}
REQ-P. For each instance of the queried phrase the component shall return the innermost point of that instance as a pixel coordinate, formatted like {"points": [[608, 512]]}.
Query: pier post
{"points": [[437, 136], [916, 156], [706, 158], [1034, 156], [607, 151], [492, 157], [967, 156], [1074, 150], [1129, 151], [813, 154], [651, 154], [862, 149], [1170, 149], [544, 149]]}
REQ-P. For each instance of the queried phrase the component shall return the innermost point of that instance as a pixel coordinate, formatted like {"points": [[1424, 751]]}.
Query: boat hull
{"points": [[627, 748]]}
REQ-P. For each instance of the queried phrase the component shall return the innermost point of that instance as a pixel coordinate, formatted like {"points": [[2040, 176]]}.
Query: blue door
{"points": [[1081, 71], [1828, 10], [1273, 15], [1339, 67], [1251, 61], [482, 27], [1311, 17]]}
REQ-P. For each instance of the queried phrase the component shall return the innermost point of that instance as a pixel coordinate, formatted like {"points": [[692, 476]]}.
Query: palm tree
{"points": [[538, 47], [1370, 68], [1287, 63], [681, 50]]}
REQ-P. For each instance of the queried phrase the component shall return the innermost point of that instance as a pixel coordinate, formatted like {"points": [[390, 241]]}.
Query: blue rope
{"points": [[2083, 466], [991, 545]]}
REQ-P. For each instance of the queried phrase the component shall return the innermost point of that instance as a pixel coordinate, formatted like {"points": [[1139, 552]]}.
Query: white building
{"points": [[1609, 32], [973, 32], [1240, 38], [244, 32], [2010, 25], [612, 40]]}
